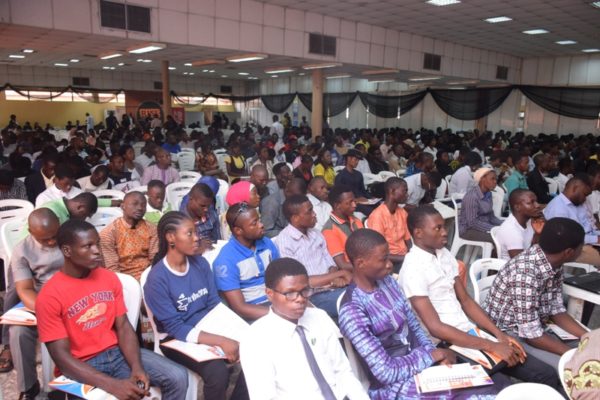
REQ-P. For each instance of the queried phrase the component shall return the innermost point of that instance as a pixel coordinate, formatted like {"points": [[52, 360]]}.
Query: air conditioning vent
{"points": [[81, 81], [226, 89], [158, 85], [127, 17], [501, 72], [432, 61], [322, 44]]}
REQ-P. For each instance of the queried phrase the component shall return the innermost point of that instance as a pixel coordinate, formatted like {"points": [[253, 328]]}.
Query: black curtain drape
{"points": [[337, 103], [306, 100], [389, 106], [470, 104], [583, 103], [278, 103]]}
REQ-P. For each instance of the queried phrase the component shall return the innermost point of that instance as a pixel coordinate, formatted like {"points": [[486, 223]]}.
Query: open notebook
{"points": [[19, 315], [457, 376]]}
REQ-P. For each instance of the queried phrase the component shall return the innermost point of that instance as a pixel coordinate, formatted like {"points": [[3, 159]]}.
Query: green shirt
{"points": [[516, 180], [155, 215], [59, 208]]}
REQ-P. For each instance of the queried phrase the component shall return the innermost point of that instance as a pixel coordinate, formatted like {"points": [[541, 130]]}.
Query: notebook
{"points": [[490, 361], [19, 315], [589, 281], [457, 376]]}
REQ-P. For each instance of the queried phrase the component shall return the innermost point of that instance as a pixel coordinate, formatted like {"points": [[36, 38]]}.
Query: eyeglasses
{"points": [[291, 296], [243, 207]]}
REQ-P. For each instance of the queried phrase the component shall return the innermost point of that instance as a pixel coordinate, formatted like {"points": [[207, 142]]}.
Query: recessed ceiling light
{"points": [[278, 70], [106, 67], [188, 64], [425, 78], [565, 42], [16, 56], [339, 76], [28, 51], [109, 56], [211, 71], [442, 3], [301, 74], [274, 76], [247, 57], [595, 4], [243, 73], [120, 64], [185, 73], [495, 20], [223, 76], [146, 48], [319, 66], [61, 65], [172, 68], [590, 50], [191, 73], [536, 31], [204, 70], [74, 60], [143, 60], [252, 77]]}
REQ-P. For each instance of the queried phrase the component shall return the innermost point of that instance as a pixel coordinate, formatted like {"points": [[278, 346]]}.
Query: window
{"points": [[127, 17], [38, 95]]}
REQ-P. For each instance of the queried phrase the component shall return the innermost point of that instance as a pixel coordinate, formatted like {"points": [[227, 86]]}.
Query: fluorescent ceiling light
{"points": [[536, 31], [274, 76], [146, 48], [425, 78], [191, 73], [301, 74], [211, 71], [319, 66], [457, 87], [223, 76], [338, 76], [382, 81], [120, 64], [462, 83], [595, 4], [172, 68], [28, 51], [247, 57], [495, 20], [143, 60], [565, 42], [16, 56], [109, 56], [188, 64], [442, 3], [211, 61], [590, 50], [243, 73], [61, 65], [252, 77], [74, 60], [380, 71], [279, 70]]}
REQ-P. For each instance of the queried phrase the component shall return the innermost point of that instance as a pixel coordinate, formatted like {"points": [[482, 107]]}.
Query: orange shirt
{"points": [[336, 232], [392, 226]]}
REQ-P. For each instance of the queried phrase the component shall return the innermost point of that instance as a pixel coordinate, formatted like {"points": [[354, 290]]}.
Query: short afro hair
{"points": [[281, 268], [362, 241]]}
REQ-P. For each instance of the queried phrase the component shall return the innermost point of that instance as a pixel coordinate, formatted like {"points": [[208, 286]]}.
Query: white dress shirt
{"points": [[592, 202], [562, 180], [322, 209], [275, 364], [87, 186], [143, 160], [363, 167], [461, 181], [425, 274], [310, 249], [54, 193], [512, 236], [416, 192]]}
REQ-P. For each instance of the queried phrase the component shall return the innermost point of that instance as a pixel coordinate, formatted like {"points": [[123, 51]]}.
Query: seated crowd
{"points": [[285, 244]]}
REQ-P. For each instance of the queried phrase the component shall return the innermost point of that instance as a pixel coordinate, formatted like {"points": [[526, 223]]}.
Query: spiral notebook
{"points": [[457, 376]]}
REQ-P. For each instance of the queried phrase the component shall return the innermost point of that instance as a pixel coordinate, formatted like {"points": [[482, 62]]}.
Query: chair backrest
{"points": [[157, 336], [17, 208], [441, 191], [479, 274], [176, 191], [338, 168], [189, 176], [498, 201], [528, 391], [494, 233], [186, 160], [220, 197], [132, 296], [211, 255], [369, 179], [141, 189], [385, 175], [566, 357], [401, 172], [137, 148], [109, 194], [11, 232], [552, 185], [454, 198], [104, 216]]}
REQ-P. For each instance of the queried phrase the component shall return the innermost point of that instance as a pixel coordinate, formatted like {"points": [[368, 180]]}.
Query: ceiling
{"points": [[463, 23]]}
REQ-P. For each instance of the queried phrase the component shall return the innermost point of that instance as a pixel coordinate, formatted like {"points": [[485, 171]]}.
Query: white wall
{"points": [[561, 71]]}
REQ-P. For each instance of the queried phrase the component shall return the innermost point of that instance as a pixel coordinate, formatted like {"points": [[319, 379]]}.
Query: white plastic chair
{"points": [[498, 195], [441, 191], [211, 255], [18, 208], [494, 233], [458, 242], [11, 232], [189, 176], [338, 168], [552, 185], [401, 172], [175, 192], [104, 216], [369, 179], [193, 378], [137, 148], [186, 160], [586, 267], [385, 175], [109, 194], [528, 391], [479, 274], [142, 189], [565, 358], [220, 197]]}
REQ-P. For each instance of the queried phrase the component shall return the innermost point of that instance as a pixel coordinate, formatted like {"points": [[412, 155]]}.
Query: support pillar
{"points": [[166, 87], [316, 120]]}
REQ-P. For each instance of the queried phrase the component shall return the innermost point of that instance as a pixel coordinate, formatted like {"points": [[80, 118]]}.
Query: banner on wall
{"points": [[149, 109], [178, 114]]}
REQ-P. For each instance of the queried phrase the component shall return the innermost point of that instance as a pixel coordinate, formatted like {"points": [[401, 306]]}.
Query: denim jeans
{"points": [[327, 301], [170, 377]]}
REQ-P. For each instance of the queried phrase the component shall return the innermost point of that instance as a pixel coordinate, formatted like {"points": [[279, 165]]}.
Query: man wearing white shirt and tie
{"points": [[294, 352]]}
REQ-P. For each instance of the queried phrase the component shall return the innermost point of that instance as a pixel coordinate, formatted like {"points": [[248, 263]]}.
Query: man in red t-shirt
{"points": [[82, 319]]}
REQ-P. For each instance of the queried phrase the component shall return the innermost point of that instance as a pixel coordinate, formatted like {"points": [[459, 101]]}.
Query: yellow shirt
{"points": [[327, 174]]}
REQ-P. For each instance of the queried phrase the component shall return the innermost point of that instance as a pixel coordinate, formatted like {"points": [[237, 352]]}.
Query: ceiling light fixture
{"points": [[210, 71], [462, 83], [442, 3], [191, 73], [590, 50], [247, 57], [146, 48], [281, 70], [28, 51], [74, 60], [274, 76], [16, 56], [243, 73], [120, 64], [61, 65], [565, 42], [172, 68], [143, 60], [187, 64], [252, 78], [319, 66], [536, 31], [338, 76], [109, 56], [383, 81], [106, 67], [223, 76], [380, 71], [495, 20], [595, 4], [425, 78], [211, 61]]}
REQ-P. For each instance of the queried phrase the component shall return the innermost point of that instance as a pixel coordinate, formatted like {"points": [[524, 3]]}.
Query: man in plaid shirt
{"points": [[527, 292]]}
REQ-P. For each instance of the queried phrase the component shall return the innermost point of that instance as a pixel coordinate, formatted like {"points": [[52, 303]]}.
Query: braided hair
{"points": [[168, 223]]}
